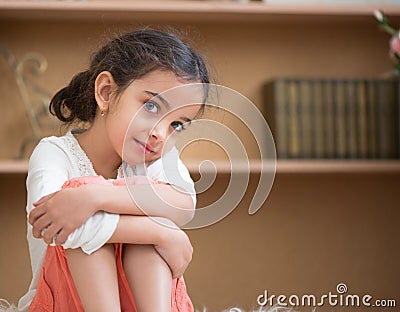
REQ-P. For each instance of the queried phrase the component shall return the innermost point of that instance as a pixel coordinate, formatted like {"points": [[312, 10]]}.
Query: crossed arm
{"points": [[65, 210]]}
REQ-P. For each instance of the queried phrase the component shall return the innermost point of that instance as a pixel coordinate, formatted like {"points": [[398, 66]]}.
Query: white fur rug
{"points": [[270, 309], [5, 306]]}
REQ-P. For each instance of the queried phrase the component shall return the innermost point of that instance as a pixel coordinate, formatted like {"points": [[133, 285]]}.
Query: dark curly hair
{"points": [[127, 57]]}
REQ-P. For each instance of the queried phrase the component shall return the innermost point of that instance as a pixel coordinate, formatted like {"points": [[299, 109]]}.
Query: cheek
{"points": [[116, 130], [169, 144], [137, 129]]}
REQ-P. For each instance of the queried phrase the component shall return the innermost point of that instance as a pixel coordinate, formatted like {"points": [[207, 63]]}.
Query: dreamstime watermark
{"points": [[339, 298]]}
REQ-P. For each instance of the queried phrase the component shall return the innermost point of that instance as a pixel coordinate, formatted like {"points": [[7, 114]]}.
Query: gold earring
{"points": [[102, 113]]}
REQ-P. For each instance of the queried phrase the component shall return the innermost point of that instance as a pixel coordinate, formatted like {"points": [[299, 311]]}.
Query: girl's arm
{"points": [[171, 242], [67, 209], [161, 200]]}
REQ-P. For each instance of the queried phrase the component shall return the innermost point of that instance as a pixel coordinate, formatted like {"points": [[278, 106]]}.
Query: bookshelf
{"points": [[350, 205]]}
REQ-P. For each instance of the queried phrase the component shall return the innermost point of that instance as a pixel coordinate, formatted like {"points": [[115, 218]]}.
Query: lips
{"points": [[147, 148]]}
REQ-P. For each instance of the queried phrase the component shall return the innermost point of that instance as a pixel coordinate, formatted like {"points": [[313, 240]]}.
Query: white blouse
{"points": [[57, 159]]}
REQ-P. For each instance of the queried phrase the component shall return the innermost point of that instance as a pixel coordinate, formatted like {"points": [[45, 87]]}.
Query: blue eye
{"points": [[178, 126], [151, 107]]}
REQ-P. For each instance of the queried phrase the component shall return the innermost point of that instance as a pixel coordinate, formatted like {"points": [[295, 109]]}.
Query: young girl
{"points": [[88, 216]]}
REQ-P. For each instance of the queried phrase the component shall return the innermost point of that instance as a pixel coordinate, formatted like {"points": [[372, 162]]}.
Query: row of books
{"points": [[334, 118]]}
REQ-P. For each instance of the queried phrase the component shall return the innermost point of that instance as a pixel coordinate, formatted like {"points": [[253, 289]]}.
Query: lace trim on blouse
{"points": [[85, 165]]}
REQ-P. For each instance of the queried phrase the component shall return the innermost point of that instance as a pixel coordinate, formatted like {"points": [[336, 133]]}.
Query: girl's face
{"points": [[142, 123]]}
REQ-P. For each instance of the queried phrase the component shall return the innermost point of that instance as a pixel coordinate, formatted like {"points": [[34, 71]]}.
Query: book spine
{"points": [[280, 103], [340, 119], [319, 122], [275, 113], [372, 113], [329, 117], [387, 116], [351, 119], [294, 124], [306, 119], [362, 127]]}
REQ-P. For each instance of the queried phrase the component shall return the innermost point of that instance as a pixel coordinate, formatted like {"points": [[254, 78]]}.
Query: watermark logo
{"points": [[341, 288], [339, 298]]}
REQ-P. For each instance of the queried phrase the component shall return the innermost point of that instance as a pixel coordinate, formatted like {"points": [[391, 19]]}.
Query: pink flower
{"points": [[394, 43], [395, 46]]}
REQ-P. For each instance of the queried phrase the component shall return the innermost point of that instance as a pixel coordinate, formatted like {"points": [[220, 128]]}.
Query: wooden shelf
{"points": [[184, 11], [13, 166], [338, 166], [282, 166], [308, 166]]}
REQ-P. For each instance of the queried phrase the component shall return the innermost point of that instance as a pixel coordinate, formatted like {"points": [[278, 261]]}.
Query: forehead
{"points": [[162, 79], [189, 111], [170, 89]]}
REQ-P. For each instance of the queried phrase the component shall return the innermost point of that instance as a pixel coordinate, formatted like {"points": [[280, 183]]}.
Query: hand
{"points": [[176, 249], [60, 213]]}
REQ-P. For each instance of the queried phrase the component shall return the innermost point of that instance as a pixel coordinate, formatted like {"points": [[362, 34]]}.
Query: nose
{"points": [[160, 132]]}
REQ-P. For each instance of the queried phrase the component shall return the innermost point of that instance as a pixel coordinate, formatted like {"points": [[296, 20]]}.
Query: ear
{"points": [[103, 88]]}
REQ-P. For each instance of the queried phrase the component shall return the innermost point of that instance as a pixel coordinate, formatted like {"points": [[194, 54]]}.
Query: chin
{"points": [[134, 160]]}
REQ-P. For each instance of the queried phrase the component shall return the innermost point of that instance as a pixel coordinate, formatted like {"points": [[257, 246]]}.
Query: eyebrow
{"points": [[165, 102], [186, 119]]}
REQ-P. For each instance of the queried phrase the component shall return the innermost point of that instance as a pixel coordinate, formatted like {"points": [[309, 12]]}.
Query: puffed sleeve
{"points": [[49, 167]]}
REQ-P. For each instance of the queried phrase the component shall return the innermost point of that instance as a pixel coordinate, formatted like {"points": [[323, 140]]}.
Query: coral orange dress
{"points": [[56, 291]]}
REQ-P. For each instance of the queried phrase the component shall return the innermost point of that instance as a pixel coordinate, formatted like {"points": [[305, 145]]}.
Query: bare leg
{"points": [[95, 278], [149, 278]]}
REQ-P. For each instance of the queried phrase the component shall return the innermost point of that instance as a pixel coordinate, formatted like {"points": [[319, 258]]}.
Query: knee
{"points": [[138, 253], [78, 254], [72, 254], [137, 250]]}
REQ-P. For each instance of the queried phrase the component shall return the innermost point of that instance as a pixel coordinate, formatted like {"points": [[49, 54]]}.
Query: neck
{"points": [[99, 150]]}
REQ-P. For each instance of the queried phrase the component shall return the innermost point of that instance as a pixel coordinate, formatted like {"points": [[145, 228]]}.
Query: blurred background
{"points": [[333, 212]]}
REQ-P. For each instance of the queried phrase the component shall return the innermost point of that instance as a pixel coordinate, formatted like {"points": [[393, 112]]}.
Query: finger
{"points": [[41, 224], [178, 273], [178, 268], [50, 232], [35, 214], [61, 237], [44, 199], [182, 267], [177, 276]]}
